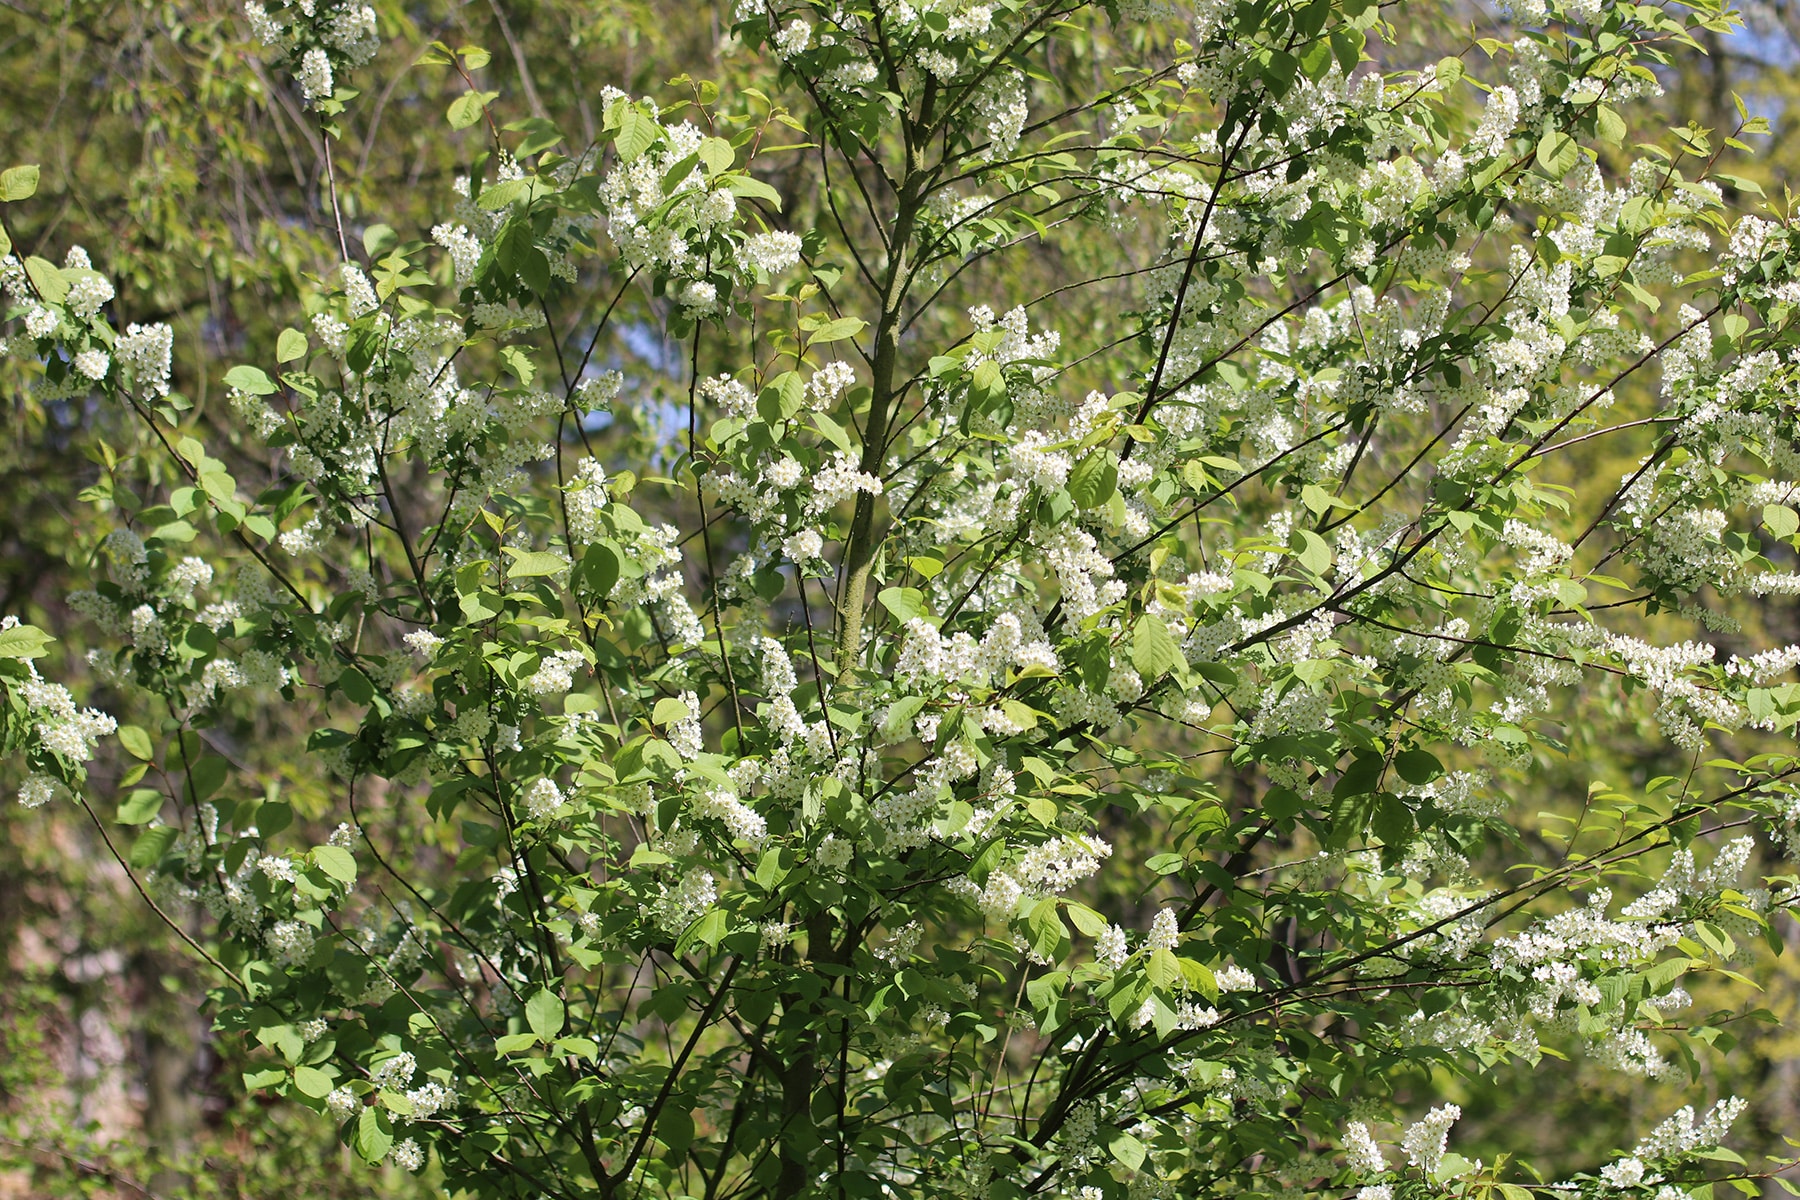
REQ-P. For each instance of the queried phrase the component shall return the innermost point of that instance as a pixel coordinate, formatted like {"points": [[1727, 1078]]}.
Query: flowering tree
{"points": [[1084, 751]]}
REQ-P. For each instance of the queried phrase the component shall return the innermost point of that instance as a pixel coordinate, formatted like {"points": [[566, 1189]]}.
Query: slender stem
{"points": [[156, 908]]}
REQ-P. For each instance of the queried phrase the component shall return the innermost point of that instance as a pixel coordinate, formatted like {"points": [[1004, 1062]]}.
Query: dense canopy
{"points": [[1030, 598]]}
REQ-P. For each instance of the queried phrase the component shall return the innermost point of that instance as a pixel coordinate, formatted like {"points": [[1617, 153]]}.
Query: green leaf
{"points": [[838, 436], [1451, 1166], [1557, 153], [637, 133], [1163, 968], [502, 194], [1312, 551], [1045, 924], [1781, 520], [1127, 1149], [18, 183], [540, 135], [250, 379], [150, 846], [898, 721], [313, 1082], [1393, 822], [1360, 777], [1570, 592], [467, 108], [274, 816], [1418, 766], [1348, 46], [1318, 500], [710, 929], [988, 384], [597, 571], [837, 331], [140, 806], [668, 710], [1315, 60], [512, 1043], [377, 240], [336, 862], [1313, 671], [356, 687], [207, 776], [1085, 919], [1609, 124], [219, 485], [544, 1013], [290, 346], [753, 189], [675, 1129], [717, 155], [781, 397], [23, 641], [1154, 650], [1199, 977], [769, 871], [1020, 713], [905, 603], [50, 283], [1094, 479], [1045, 990], [374, 1136], [532, 563], [479, 606]]}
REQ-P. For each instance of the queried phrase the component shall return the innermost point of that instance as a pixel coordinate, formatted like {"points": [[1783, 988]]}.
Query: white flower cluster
{"points": [[64, 730], [394, 1073], [1113, 946], [1585, 932], [1233, 978], [290, 942], [555, 675], [1681, 1133], [1426, 1139], [88, 289], [75, 321], [1364, 1155], [677, 906], [542, 799], [1165, 931], [1014, 640], [316, 37], [39, 789], [1668, 672], [739, 819], [680, 227], [1084, 573], [1047, 869], [1684, 882]]}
